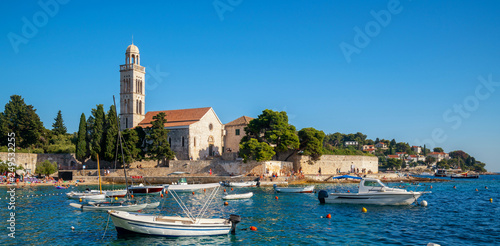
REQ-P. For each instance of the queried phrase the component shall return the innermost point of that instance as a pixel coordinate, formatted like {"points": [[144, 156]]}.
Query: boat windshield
{"points": [[373, 183]]}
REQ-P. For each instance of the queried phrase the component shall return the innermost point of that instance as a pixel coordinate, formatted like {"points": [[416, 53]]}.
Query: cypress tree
{"points": [[111, 133], [159, 148], [97, 137], [81, 144], [58, 126]]}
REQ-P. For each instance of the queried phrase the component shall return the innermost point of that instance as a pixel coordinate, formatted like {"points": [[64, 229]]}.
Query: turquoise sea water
{"points": [[460, 216]]}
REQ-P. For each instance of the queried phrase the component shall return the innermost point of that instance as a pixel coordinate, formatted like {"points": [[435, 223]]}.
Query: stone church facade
{"points": [[195, 134]]}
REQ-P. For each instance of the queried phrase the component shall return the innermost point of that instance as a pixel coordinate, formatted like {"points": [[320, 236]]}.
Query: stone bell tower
{"points": [[132, 89]]}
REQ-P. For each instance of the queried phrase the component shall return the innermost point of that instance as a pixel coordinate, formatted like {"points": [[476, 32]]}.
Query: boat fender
{"points": [[235, 219], [322, 194]]}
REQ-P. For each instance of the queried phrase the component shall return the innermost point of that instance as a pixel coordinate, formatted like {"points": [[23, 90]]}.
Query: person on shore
{"points": [[319, 171]]}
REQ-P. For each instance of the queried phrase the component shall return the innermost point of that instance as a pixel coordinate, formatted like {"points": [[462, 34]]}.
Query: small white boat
{"points": [[307, 189], [242, 184], [112, 193], [237, 196], [372, 191], [86, 195], [176, 226], [105, 206], [152, 205]]}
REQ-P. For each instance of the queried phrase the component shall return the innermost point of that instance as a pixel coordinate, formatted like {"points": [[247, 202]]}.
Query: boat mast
{"points": [[121, 147], [99, 173]]}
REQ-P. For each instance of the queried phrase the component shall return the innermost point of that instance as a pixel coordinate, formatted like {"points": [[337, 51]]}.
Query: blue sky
{"points": [[405, 80]]}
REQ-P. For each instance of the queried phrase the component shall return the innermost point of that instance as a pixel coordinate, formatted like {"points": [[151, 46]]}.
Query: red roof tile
{"points": [[179, 117], [243, 120]]}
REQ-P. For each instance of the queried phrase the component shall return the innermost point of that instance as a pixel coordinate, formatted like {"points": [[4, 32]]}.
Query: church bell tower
{"points": [[132, 93]]}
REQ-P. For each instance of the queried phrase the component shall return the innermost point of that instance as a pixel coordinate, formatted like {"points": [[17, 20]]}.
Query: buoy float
{"points": [[72, 228], [204, 190], [224, 190], [454, 187], [486, 187], [423, 203], [348, 191], [226, 203], [166, 192], [276, 197], [116, 198], [328, 216], [193, 192], [161, 195], [231, 189], [476, 189], [364, 210], [132, 196], [253, 228], [491, 199], [80, 200]]}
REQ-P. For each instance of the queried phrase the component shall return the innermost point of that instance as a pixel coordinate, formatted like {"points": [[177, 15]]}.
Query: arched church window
{"points": [[211, 126]]}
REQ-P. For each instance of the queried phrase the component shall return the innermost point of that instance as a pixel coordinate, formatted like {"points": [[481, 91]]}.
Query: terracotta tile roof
{"points": [[437, 153], [393, 156], [179, 117], [243, 120]]}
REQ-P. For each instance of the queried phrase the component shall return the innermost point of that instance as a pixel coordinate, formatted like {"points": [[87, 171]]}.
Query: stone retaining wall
{"points": [[330, 163]]}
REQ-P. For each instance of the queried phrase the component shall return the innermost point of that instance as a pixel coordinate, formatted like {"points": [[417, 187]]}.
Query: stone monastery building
{"points": [[196, 133]]}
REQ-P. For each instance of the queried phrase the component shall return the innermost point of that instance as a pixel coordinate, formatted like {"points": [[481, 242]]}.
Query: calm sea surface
{"points": [[461, 216]]}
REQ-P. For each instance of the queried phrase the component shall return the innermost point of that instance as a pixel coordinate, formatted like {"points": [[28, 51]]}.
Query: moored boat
{"points": [[237, 196], [176, 226], [86, 195], [465, 175], [372, 191], [441, 173], [145, 189], [306, 189], [105, 206], [242, 184]]}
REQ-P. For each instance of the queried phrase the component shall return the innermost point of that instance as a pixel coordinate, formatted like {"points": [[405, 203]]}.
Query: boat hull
{"points": [[307, 189], [145, 190], [160, 226], [376, 199], [89, 196], [243, 184], [238, 196], [127, 208]]}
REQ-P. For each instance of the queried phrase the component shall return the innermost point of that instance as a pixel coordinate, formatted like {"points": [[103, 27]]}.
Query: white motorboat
{"points": [[105, 206], [112, 193], [306, 189], [86, 195], [237, 196], [372, 191], [176, 226]]}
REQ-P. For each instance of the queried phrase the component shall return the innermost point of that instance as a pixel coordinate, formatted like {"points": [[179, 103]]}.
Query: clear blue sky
{"points": [[402, 83]]}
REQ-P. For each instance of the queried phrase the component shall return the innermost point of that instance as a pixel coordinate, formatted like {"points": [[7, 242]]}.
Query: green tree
{"points": [[429, 160], [394, 164], [438, 149], [130, 149], [311, 142], [255, 150], [111, 127], [21, 119], [46, 168], [58, 127], [159, 148], [393, 142], [377, 141], [81, 144], [97, 133], [272, 128]]}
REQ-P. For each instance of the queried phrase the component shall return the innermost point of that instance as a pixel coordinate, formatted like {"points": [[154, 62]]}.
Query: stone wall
{"points": [[29, 161], [330, 163], [232, 141], [179, 142]]}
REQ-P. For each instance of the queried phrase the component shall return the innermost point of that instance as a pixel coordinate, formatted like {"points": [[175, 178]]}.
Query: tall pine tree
{"points": [[21, 119], [58, 126], [159, 148], [97, 137], [111, 134], [81, 142]]}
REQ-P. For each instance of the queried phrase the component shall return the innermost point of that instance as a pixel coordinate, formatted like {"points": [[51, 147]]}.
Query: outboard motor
{"points": [[322, 195], [235, 219], [258, 182]]}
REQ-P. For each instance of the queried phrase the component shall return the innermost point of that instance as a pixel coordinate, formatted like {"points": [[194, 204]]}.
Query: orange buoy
{"points": [[161, 195], [328, 216], [193, 192], [454, 187], [431, 186], [276, 197], [224, 190], [253, 228], [166, 192], [226, 203], [80, 200], [204, 190], [476, 189], [364, 210], [348, 191], [132, 196], [231, 189]]}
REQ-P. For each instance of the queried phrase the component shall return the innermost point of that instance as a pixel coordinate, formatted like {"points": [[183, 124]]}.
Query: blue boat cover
{"points": [[346, 177]]}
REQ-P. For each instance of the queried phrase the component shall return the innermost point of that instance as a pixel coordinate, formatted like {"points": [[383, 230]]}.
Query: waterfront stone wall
{"points": [[29, 161], [330, 163]]}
